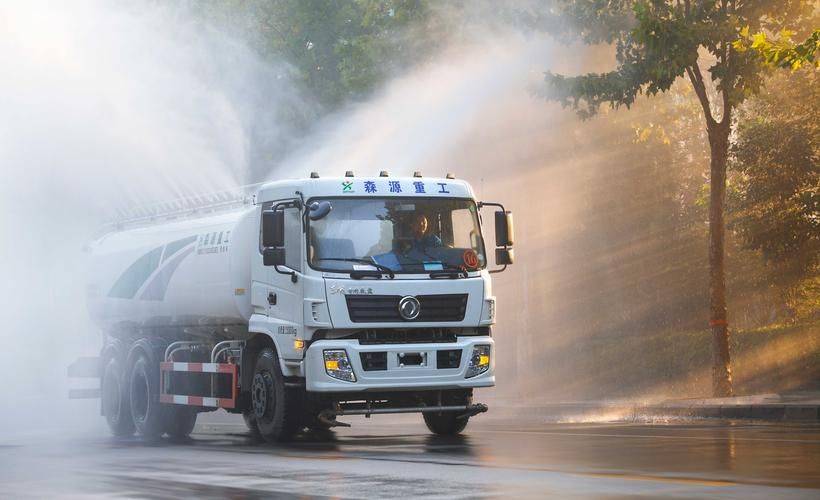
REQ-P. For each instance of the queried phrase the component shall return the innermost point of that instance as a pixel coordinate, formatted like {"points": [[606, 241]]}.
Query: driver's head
{"points": [[418, 225]]}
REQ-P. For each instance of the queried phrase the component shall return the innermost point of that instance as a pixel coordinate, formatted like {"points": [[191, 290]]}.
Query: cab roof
{"points": [[365, 186]]}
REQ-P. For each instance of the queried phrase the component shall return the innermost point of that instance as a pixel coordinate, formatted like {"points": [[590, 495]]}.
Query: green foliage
{"points": [[776, 206], [339, 49], [663, 42], [781, 51]]}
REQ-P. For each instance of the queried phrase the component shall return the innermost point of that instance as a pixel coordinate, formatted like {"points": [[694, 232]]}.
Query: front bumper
{"points": [[397, 377]]}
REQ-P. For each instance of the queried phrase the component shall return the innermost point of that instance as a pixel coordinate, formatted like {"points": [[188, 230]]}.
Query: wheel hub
{"points": [[261, 393]]}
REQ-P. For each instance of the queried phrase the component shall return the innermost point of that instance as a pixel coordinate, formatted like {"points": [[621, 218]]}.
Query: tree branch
{"points": [[727, 86], [700, 90]]}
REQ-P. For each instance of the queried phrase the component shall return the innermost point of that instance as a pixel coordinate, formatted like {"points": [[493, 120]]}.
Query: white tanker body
{"points": [[322, 298], [190, 275]]}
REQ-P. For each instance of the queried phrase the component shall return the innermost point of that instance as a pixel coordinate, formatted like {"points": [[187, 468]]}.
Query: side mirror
{"points": [[273, 257], [504, 256], [273, 229], [504, 228], [319, 210]]}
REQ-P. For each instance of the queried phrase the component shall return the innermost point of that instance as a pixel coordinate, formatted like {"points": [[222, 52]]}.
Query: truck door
{"points": [[275, 292]]}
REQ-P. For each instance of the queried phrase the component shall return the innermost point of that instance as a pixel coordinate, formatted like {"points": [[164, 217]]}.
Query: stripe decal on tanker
{"points": [[138, 273], [132, 279], [155, 289]]}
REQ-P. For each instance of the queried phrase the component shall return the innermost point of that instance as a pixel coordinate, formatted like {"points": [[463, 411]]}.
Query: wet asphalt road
{"points": [[395, 456]]}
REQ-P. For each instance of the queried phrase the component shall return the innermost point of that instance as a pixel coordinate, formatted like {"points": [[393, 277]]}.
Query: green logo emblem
{"points": [[347, 186]]}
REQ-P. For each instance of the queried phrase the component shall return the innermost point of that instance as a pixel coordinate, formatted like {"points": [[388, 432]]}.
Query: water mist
{"points": [[107, 107]]}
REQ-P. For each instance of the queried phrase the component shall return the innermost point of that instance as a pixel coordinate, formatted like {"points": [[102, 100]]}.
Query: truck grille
{"points": [[385, 308], [409, 336]]}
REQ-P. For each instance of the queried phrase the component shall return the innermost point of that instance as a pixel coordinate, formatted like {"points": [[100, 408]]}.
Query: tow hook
{"points": [[328, 418], [473, 410]]}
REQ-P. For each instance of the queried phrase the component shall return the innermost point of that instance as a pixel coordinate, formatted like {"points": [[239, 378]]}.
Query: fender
{"points": [[281, 334]]}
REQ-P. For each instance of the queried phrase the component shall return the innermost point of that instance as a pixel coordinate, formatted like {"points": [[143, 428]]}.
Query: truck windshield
{"points": [[406, 235]]}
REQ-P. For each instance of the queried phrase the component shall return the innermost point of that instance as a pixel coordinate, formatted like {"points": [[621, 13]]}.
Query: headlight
{"points": [[479, 361], [338, 366]]}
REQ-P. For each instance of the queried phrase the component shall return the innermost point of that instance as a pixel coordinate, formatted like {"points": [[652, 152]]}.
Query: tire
{"points": [[180, 421], [250, 422], [148, 414], [445, 423], [275, 407], [115, 404]]}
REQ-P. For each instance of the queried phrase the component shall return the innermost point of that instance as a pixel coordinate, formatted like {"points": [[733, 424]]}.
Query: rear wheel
{"points": [[275, 407], [148, 414], [445, 423], [115, 404]]}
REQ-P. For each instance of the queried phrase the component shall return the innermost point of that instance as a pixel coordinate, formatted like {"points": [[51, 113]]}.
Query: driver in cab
{"points": [[422, 238], [412, 244]]}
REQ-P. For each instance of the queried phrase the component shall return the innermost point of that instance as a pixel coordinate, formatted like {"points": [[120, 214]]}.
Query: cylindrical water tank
{"points": [[188, 277]]}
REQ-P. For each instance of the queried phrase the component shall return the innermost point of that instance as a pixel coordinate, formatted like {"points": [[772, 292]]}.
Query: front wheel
{"points": [[445, 423], [275, 407]]}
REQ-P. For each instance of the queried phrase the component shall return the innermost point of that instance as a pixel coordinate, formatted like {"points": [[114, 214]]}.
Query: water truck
{"points": [[313, 299]]}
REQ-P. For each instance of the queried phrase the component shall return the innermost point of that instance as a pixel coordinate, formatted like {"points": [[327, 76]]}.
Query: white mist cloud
{"points": [[105, 105], [419, 117], [102, 108]]}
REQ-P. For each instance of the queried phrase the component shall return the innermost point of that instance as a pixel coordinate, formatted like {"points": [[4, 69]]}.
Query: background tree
{"points": [[775, 201], [340, 50], [658, 42]]}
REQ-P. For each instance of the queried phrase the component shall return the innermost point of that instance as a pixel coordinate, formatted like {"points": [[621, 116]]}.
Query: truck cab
{"points": [[378, 295]]}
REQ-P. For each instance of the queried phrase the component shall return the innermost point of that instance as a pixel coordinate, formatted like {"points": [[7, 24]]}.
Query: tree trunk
{"points": [[721, 367]]}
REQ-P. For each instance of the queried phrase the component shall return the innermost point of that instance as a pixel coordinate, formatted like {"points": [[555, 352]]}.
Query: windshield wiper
{"points": [[450, 271], [359, 274]]}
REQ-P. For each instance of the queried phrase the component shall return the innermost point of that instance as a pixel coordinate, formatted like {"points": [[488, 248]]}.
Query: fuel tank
{"points": [[187, 278]]}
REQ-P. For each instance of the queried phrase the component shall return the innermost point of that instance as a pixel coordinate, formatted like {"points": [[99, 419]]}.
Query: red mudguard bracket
{"points": [[167, 367]]}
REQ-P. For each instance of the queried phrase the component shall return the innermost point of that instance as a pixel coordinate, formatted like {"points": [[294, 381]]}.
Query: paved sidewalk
{"points": [[791, 407]]}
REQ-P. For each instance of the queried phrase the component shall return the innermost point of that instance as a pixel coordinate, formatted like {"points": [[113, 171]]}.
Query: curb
{"points": [[769, 412]]}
